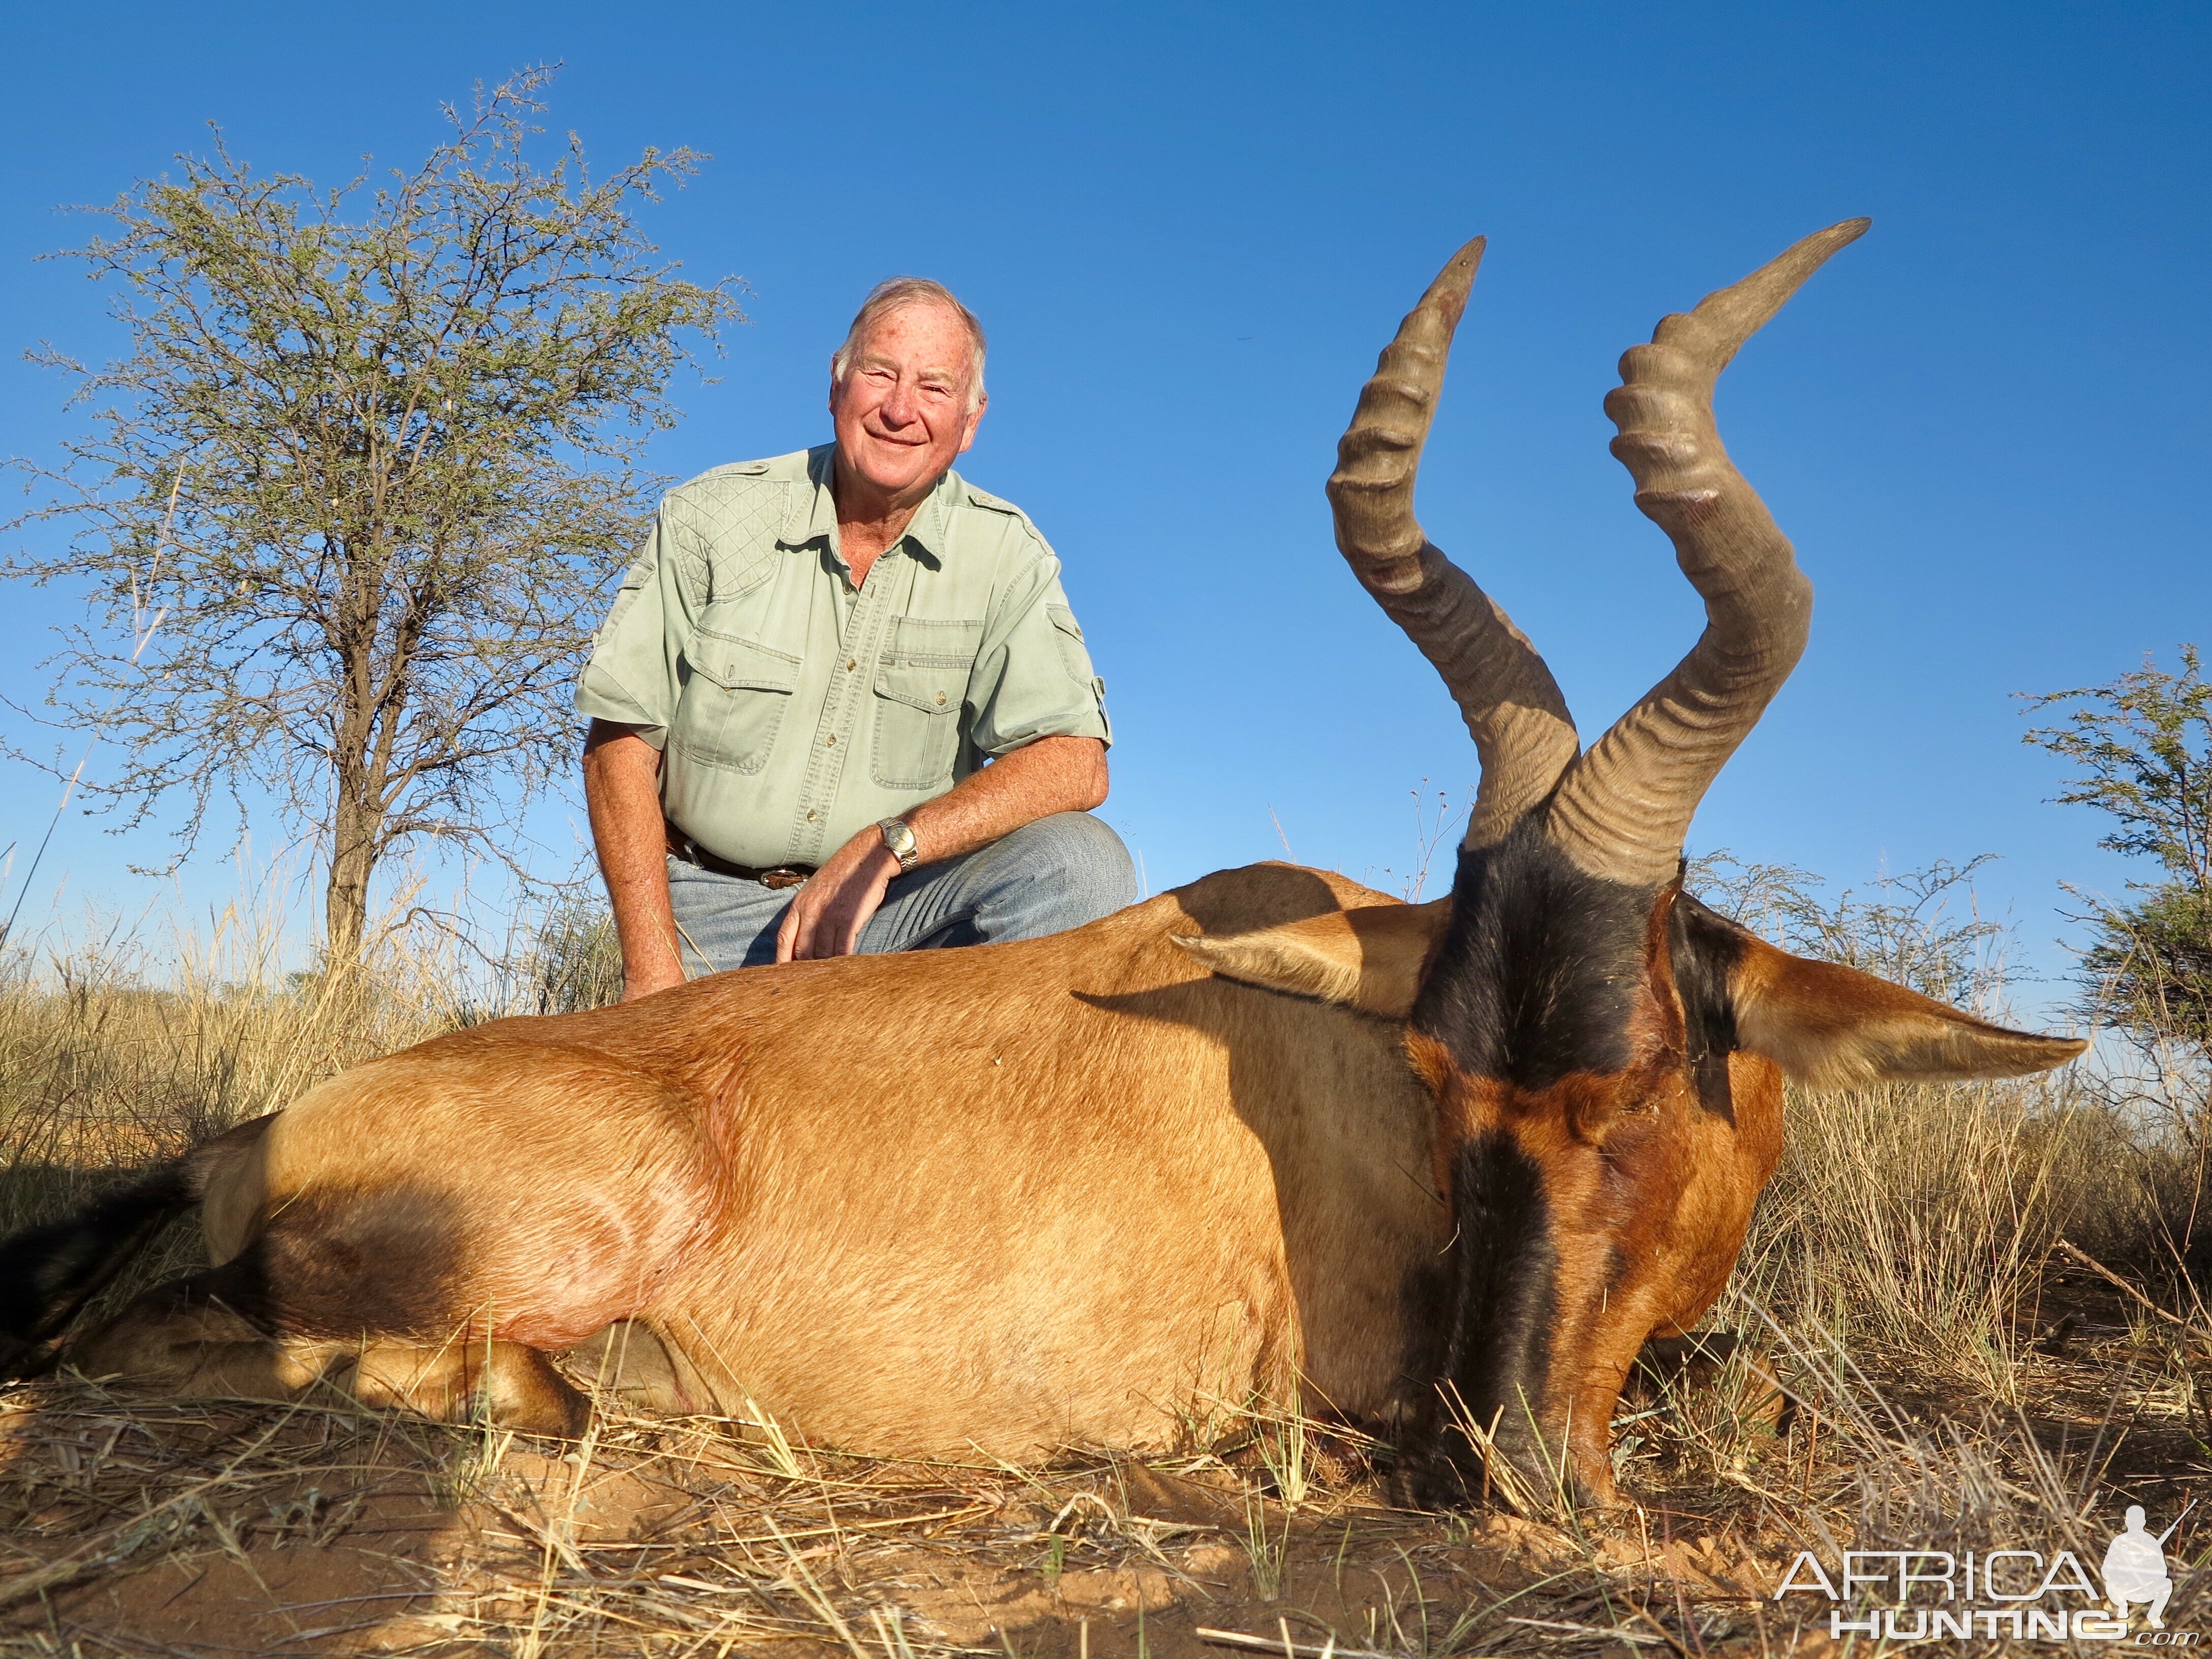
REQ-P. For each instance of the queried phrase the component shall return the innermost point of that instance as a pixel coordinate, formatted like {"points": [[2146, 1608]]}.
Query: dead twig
{"points": [[1237, 1639], [2082, 1258], [119, 1543]]}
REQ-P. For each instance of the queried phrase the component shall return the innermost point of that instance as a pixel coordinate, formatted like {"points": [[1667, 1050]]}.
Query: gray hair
{"points": [[888, 296]]}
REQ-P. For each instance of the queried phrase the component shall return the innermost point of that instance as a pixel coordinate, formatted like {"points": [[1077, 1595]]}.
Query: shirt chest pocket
{"points": [[736, 701], [921, 684]]}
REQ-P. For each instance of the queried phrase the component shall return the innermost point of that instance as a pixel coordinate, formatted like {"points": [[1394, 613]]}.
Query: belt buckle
{"points": [[782, 876]]}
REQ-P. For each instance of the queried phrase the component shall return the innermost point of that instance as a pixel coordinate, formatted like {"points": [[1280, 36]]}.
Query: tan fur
{"points": [[1832, 1027], [1119, 1188], [629, 1362], [1370, 958], [1084, 1189], [548, 1187]]}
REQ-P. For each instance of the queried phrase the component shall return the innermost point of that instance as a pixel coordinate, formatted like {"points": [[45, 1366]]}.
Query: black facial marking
{"points": [[1507, 1293], [1539, 972], [1706, 948], [1482, 1324]]}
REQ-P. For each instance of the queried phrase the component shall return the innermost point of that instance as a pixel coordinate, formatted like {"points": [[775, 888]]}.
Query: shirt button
{"points": [[811, 816], [851, 663], [830, 741], [941, 700]]}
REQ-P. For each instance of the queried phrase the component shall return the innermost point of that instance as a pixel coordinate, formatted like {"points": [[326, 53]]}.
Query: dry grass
{"points": [[137, 1526], [1911, 1222], [1955, 1384]]}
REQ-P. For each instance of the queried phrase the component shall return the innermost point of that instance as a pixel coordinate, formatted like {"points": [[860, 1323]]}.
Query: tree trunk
{"points": [[345, 899]]}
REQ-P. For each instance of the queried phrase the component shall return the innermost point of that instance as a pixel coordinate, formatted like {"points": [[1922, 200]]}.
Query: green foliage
{"points": [[2143, 747], [573, 960], [1920, 929], [2150, 965], [354, 495]]}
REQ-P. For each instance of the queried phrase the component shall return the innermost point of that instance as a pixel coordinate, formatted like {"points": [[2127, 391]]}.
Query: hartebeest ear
{"points": [[1370, 959], [1832, 1027]]}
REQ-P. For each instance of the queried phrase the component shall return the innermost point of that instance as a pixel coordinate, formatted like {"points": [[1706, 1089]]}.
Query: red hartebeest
{"points": [[1271, 1134]]}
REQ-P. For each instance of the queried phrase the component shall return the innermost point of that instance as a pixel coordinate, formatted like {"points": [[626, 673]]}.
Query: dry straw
{"points": [[1904, 1282]]}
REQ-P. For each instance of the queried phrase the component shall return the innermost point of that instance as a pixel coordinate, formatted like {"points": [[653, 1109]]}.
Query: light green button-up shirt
{"points": [[793, 709]]}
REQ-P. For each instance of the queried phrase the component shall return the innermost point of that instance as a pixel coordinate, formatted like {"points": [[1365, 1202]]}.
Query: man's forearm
{"points": [[1052, 775], [622, 791]]}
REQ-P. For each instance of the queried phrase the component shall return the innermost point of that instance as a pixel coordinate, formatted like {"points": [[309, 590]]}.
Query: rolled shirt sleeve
{"points": [[1032, 677], [633, 677]]}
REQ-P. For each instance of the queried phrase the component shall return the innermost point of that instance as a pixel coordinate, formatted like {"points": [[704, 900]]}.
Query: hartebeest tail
{"points": [[48, 1273]]}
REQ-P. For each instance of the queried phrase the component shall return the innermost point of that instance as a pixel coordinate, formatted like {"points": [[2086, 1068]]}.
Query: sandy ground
{"points": [[135, 1527]]}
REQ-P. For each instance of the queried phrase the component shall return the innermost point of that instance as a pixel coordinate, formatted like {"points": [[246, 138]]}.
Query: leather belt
{"points": [[781, 876]]}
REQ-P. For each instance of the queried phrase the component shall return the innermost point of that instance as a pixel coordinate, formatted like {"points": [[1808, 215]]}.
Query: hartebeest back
{"points": [[1270, 1134]]}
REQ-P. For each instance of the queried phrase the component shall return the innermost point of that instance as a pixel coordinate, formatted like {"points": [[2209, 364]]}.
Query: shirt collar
{"points": [[812, 513], [933, 521]]}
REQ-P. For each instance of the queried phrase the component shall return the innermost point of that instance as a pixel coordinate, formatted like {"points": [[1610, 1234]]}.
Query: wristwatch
{"points": [[900, 840]]}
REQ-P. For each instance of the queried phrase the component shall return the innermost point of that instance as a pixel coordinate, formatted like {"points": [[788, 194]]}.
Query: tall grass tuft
{"points": [[1913, 1220], [110, 1062]]}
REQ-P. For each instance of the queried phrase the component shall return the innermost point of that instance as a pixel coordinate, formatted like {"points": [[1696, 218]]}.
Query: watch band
{"points": [[900, 839]]}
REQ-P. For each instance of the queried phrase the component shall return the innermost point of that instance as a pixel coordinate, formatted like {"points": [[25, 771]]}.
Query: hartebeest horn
{"points": [[1512, 705], [1624, 808]]}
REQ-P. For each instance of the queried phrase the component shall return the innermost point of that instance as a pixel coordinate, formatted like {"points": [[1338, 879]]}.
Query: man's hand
{"points": [[1052, 775], [827, 913]]}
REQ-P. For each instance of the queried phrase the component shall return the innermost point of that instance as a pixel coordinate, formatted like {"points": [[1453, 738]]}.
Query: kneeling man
{"points": [[841, 703]]}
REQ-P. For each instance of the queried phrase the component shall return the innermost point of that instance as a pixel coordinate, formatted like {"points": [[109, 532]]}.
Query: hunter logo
{"points": [[2135, 1568], [2021, 1595]]}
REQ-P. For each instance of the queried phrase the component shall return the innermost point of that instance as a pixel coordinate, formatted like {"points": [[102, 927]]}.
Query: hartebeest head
{"points": [[1607, 1053]]}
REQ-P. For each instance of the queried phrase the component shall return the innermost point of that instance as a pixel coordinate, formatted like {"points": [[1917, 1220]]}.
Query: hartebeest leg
{"points": [[181, 1338], [186, 1338], [629, 1362], [517, 1387]]}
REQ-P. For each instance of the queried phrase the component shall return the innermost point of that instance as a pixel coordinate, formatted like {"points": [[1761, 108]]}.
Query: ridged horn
{"points": [[1623, 809], [1522, 729]]}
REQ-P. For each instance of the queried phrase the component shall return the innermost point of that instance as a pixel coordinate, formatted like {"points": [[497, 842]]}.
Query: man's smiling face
{"points": [[902, 412]]}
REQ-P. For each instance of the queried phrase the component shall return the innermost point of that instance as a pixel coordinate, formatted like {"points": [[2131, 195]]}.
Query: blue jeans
{"points": [[1045, 878]]}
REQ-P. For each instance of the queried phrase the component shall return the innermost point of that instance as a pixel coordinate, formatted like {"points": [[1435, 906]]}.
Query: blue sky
{"points": [[1189, 229]]}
